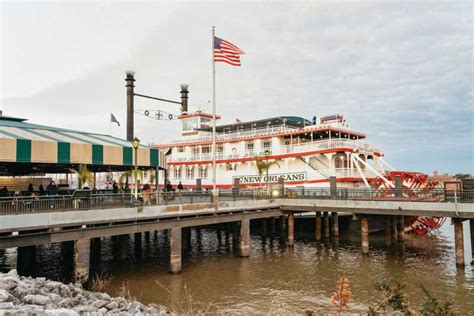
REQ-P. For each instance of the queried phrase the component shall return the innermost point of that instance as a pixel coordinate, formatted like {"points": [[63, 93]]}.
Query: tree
{"points": [[130, 174], [263, 166], [84, 176]]}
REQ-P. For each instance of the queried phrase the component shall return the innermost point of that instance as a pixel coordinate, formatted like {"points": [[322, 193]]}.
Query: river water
{"points": [[275, 279]]}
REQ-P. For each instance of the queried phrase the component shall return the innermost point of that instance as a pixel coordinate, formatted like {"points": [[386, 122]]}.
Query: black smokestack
{"points": [[184, 98], [130, 79]]}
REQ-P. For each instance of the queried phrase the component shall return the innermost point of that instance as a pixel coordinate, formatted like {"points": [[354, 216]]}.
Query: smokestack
{"points": [[184, 98], [130, 79]]}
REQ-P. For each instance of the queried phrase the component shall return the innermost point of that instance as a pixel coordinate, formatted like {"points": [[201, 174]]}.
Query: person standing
{"points": [[52, 189]]}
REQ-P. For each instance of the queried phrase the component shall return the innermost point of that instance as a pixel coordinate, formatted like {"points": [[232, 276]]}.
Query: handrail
{"points": [[61, 203], [290, 149]]}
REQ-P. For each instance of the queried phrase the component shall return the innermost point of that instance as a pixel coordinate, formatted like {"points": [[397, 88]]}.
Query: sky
{"points": [[399, 71]]}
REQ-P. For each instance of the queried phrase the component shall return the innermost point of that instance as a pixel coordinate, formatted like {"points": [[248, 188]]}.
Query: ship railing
{"points": [[287, 149]]}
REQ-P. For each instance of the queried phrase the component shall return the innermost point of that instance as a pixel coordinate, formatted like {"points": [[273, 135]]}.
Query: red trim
{"points": [[263, 136], [229, 186], [308, 153]]}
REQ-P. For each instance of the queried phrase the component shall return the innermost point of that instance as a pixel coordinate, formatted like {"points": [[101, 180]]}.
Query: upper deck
{"points": [[284, 127]]}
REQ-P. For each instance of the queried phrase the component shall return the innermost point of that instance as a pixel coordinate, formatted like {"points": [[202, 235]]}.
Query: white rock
{"points": [[36, 299], [61, 312], [6, 305], [100, 303], [13, 273], [4, 296]]}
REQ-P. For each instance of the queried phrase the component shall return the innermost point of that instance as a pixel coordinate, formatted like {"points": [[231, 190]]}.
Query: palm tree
{"points": [[84, 176], [263, 165], [130, 174]]}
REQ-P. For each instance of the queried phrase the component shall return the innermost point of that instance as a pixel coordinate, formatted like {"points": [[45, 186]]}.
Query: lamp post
{"points": [[267, 153], [135, 145]]}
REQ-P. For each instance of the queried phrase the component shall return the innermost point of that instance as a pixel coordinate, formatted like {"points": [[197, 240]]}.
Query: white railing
{"points": [[362, 147], [254, 132]]}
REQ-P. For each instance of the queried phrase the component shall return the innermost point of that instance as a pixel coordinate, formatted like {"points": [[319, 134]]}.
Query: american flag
{"points": [[226, 52]]}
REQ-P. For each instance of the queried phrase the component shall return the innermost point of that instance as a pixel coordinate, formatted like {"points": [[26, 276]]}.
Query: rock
{"points": [[104, 296], [50, 285], [12, 273], [55, 298], [84, 309], [8, 282], [112, 305], [103, 311], [36, 299], [5, 296], [6, 305], [67, 303], [100, 303], [64, 291], [61, 312]]}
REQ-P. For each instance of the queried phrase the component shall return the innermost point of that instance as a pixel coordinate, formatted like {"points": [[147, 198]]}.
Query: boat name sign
{"points": [[273, 178]]}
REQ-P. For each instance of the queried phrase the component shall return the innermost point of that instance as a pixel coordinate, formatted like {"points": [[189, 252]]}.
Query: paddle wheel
{"points": [[415, 185]]}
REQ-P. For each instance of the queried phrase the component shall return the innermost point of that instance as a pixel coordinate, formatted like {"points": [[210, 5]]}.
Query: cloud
{"points": [[401, 72]]}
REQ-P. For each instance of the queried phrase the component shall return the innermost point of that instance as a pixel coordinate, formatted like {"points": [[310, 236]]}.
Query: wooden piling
{"points": [[318, 226], [364, 229], [471, 225], [388, 230], [175, 250], [82, 251], [291, 229], [245, 238], [394, 229], [326, 225], [335, 224], [459, 243], [123, 246], [400, 228]]}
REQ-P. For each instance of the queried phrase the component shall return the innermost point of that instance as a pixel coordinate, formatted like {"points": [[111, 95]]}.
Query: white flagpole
{"points": [[213, 114]]}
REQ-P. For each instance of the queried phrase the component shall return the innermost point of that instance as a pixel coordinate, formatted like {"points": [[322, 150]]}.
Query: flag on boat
{"points": [[226, 52], [113, 119]]}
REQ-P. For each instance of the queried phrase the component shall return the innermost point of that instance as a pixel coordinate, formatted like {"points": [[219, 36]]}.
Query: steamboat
{"points": [[289, 149], [292, 149]]}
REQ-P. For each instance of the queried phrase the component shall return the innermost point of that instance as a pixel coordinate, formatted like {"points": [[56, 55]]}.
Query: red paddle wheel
{"points": [[415, 185]]}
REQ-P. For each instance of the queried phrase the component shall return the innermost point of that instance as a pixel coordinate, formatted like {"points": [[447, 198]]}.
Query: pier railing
{"points": [[62, 203]]}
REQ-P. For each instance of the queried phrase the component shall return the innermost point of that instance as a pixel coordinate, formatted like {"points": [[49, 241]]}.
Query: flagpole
{"points": [[214, 173]]}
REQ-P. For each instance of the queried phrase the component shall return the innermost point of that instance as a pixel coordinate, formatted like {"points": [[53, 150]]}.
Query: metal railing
{"points": [[61, 203], [362, 147]]}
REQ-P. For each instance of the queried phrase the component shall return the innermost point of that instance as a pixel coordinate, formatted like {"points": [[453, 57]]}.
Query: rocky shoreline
{"points": [[38, 296]]}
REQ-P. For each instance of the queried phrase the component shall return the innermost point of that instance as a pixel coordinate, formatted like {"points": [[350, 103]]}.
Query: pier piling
{"points": [[400, 228], [335, 224], [388, 231], [459, 242], [326, 225], [364, 229], [25, 260], [245, 238], [394, 229], [291, 229], [123, 247], [471, 225], [318, 226], [82, 250], [175, 250]]}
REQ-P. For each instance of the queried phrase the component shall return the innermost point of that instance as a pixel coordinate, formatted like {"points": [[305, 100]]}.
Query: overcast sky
{"points": [[399, 71]]}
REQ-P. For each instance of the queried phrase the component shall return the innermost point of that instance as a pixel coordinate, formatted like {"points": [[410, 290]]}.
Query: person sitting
{"points": [[52, 189], [30, 189], [4, 192], [180, 186], [115, 188]]}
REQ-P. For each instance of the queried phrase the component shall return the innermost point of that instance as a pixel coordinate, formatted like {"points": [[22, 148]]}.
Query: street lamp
{"points": [[135, 145], [267, 154]]}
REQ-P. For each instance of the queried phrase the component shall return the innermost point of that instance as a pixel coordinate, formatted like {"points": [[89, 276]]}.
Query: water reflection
{"points": [[275, 278]]}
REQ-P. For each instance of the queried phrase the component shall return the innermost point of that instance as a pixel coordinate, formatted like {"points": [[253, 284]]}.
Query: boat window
{"points": [[190, 124]]}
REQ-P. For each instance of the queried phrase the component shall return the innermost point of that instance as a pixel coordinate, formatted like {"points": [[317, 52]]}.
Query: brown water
{"points": [[275, 279]]}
